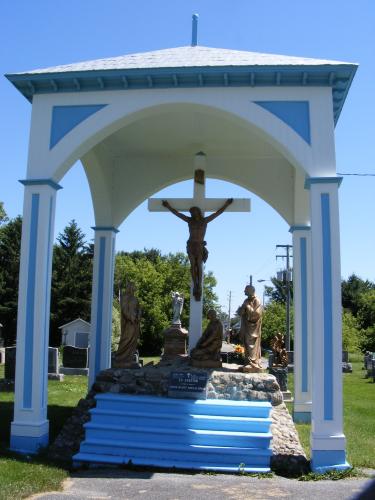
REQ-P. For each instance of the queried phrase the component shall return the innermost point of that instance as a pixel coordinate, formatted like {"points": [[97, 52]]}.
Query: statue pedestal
{"points": [[281, 374], [175, 340], [251, 369], [205, 363]]}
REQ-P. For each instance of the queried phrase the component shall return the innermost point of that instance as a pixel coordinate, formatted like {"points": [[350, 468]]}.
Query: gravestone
{"points": [[189, 385], [53, 365], [75, 357], [75, 360], [345, 356], [10, 363]]}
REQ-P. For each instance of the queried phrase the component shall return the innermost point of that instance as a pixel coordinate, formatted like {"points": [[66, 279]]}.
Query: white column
{"points": [[328, 442], [102, 300], [196, 316], [302, 323], [29, 430]]}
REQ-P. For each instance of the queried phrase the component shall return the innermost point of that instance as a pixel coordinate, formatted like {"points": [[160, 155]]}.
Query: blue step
{"points": [[189, 420], [190, 436], [196, 434], [222, 407], [159, 462], [177, 451]]}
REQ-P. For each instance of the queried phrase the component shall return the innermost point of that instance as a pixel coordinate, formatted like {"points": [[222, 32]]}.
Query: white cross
{"points": [[206, 205]]}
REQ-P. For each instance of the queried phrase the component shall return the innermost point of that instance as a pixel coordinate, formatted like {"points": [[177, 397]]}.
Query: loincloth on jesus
{"points": [[197, 249]]}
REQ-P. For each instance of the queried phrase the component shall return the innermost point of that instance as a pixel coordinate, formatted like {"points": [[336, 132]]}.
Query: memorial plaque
{"points": [[189, 385], [75, 357]]}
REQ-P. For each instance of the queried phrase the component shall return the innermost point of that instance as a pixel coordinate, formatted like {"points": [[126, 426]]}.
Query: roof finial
{"points": [[194, 34]]}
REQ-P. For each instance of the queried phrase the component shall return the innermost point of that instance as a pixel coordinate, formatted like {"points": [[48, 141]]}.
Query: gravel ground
{"points": [[120, 484]]}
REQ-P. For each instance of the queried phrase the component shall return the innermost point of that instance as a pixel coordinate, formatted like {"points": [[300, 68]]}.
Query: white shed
{"points": [[76, 333]]}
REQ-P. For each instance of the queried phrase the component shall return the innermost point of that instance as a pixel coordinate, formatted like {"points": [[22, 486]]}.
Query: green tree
{"points": [[116, 325], [277, 292], [274, 321], [156, 276], [10, 245], [3, 215], [366, 309], [366, 320], [71, 280], [352, 289], [350, 332]]}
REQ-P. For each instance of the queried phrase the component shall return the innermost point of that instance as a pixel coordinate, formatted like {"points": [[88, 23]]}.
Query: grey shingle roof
{"points": [[185, 57]]}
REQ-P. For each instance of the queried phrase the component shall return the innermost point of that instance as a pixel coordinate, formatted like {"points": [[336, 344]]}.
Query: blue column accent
{"points": [[302, 417], [66, 118], [30, 303], [47, 302], [296, 114], [325, 460], [28, 444], [327, 304], [305, 358], [99, 311]]}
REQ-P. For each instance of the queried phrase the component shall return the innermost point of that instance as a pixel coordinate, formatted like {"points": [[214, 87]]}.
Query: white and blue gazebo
{"points": [[265, 122]]}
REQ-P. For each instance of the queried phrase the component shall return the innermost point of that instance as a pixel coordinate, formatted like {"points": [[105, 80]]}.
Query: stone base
{"points": [[74, 371], [129, 366], [281, 374], [56, 376], [207, 363], [175, 340], [251, 369], [222, 383]]}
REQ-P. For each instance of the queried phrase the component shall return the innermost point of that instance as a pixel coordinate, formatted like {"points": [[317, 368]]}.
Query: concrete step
{"points": [[177, 451], [178, 421], [166, 432], [171, 435], [221, 407], [160, 462]]}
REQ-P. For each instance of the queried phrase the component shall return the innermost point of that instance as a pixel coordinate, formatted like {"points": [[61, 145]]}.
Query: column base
{"points": [[29, 438], [328, 460], [302, 417]]}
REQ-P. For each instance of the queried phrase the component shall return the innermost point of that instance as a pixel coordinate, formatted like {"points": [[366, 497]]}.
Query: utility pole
{"points": [[287, 280], [230, 302], [251, 280]]}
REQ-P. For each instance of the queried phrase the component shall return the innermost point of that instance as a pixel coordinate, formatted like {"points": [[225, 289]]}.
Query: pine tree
{"points": [[71, 280], [10, 245]]}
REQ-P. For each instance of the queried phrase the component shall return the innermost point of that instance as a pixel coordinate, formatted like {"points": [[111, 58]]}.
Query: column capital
{"points": [[299, 228], [322, 180], [105, 228], [41, 182]]}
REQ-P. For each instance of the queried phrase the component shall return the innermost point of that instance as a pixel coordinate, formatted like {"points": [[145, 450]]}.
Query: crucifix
{"points": [[196, 246]]}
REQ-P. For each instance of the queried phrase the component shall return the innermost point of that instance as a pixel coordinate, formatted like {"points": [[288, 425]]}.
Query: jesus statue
{"points": [[196, 246]]}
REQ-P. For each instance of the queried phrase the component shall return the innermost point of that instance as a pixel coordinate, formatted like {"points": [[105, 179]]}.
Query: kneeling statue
{"points": [[206, 353]]}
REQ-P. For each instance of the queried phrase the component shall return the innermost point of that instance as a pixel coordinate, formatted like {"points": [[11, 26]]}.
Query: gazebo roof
{"points": [[190, 66]]}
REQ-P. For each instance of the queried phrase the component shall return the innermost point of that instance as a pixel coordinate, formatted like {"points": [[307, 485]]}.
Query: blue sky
{"points": [[43, 33]]}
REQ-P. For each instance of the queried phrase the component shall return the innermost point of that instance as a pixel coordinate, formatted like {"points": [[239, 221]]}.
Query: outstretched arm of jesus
{"points": [[174, 211], [220, 211]]}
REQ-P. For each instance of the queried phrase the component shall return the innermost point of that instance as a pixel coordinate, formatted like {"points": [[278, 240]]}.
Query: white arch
{"points": [[126, 108]]}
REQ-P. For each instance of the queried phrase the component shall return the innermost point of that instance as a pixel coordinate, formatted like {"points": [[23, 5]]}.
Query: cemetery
{"points": [[204, 404]]}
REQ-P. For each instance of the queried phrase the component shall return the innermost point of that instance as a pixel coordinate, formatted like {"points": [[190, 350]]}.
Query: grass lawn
{"points": [[359, 416], [21, 477]]}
